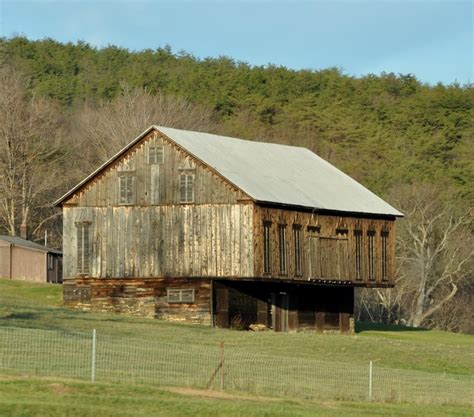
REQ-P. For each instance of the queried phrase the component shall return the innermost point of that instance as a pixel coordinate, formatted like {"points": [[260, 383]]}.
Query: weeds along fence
{"points": [[103, 358]]}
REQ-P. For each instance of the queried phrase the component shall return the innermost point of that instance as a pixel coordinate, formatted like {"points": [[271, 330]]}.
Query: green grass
{"points": [[38, 306], [57, 398], [20, 293], [413, 358]]}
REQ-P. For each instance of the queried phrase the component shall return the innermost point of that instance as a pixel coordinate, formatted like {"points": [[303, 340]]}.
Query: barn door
{"points": [[328, 257], [280, 309]]}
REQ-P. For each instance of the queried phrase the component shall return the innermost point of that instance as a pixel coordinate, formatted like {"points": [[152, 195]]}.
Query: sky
{"points": [[428, 38]]}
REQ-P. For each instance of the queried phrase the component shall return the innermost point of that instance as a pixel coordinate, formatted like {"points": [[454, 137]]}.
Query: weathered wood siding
{"points": [[155, 184], [212, 240], [326, 254]]}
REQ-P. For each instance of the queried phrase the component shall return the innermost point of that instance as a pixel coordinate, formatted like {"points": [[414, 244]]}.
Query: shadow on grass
{"points": [[26, 315], [365, 326]]}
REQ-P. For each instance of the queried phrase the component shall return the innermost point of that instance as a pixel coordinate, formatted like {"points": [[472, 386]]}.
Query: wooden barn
{"points": [[24, 260], [195, 227]]}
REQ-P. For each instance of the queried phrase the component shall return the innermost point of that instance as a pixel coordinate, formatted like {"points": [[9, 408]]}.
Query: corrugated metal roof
{"points": [[18, 241], [281, 174]]}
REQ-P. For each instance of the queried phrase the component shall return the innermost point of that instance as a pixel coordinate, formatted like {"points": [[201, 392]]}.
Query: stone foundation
{"points": [[139, 297]]}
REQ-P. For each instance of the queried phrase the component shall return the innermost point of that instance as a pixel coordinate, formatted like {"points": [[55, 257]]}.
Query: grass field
{"points": [[60, 398], [39, 307]]}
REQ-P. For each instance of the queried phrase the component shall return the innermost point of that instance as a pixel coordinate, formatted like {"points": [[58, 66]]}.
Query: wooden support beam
{"points": [[222, 307]]}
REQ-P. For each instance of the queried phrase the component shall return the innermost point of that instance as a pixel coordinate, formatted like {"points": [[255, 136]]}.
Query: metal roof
{"points": [[270, 173], [281, 174], [18, 241]]}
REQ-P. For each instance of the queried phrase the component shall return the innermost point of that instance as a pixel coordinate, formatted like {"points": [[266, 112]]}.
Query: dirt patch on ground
{"points": [[220, 395], [8, 377], [214, 394], [59, 389]]}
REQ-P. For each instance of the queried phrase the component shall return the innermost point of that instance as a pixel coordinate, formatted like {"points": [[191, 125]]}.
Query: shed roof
{"points": [[18, 241], [271, 173]]}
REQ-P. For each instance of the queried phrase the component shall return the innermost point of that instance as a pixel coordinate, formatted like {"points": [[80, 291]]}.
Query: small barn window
{"points": [[358, 254], [282, 247], [186, 186], [126, 188], [180, 295], [83, 248], [297, 242], [384, 236], [156, 154], [371, 254], [266, 246]]}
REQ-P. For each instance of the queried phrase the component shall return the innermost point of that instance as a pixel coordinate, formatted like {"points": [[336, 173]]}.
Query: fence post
{"points": [[94, 341], [221, 354], [370, 381]]}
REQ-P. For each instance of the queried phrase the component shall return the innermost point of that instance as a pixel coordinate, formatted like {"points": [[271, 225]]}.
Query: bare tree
{"points": [[30, 151], [458, 314], [434, 249], [101, 130]]}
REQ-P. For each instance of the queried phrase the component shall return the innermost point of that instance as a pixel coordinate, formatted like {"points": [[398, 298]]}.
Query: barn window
{"points": [[186, 186], [127, 188], [156, 154], [180, 295], [371, 254], [314, 252], [282, 247], [266, 247], [358, 254], [83, 247], [384, 235], [297, 242]]}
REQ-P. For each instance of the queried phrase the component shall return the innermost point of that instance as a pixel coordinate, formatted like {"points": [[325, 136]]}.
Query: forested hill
{"points": [[384, 130]]}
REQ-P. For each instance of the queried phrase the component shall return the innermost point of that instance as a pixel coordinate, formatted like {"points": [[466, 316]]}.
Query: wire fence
{"points": [[104, 358]]}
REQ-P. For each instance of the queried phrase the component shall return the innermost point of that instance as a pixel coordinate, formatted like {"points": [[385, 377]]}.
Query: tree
{"points": [[102, 130], [30, 151], [435, 252]]}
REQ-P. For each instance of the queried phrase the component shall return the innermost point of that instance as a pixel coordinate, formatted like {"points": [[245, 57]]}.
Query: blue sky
{"points": [[429, 38]]}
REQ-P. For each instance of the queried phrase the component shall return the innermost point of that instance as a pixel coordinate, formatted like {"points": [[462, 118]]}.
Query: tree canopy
{"points": [[382, 129]]}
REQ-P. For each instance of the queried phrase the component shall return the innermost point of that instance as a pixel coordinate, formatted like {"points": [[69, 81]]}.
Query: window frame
{"points": [[297, 241], [313, 240], [180, 292], [189, 194], [267, 238], [371, 261], [130, 188], [385, 256], [156, 154], [83, 248], [359, 255], [282, 249]]}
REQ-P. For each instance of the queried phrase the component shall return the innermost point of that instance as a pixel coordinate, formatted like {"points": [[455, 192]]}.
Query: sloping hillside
{"points": [[38, 306], [32, 393]]}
